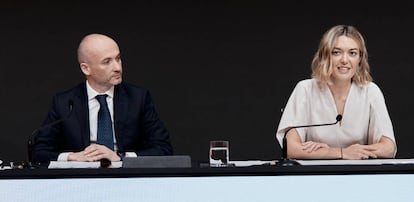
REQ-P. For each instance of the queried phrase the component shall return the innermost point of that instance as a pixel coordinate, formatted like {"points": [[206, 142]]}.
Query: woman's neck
{"points": [[340, 90]]}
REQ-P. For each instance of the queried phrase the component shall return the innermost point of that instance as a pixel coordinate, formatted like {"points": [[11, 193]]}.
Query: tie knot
{"points": [[101, 98]]}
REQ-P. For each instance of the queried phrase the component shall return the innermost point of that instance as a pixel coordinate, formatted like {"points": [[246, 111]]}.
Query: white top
{"points": [[364, 120]]}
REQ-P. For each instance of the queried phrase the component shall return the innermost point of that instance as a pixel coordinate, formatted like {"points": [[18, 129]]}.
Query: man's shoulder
{"points": [[131, 88], [78, 89]]}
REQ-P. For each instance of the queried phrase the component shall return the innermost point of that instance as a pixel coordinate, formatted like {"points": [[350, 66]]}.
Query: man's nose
{"points": [[117, 66]]}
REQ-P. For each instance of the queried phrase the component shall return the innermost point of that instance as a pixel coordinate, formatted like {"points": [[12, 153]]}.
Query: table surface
{"points": [[264, 170]]}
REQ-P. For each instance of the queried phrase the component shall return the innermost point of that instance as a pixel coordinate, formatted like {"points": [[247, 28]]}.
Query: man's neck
{"points": [[99, 89]]}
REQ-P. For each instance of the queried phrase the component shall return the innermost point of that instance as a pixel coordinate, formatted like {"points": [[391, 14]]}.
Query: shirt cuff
{"points": [[63, 156], [131, 154]]}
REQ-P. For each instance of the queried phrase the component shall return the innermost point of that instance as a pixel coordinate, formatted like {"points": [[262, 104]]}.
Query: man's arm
{"points": [[157, 137]]}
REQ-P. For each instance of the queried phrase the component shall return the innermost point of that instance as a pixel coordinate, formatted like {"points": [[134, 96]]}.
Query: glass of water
{"points": [[219, 153]]}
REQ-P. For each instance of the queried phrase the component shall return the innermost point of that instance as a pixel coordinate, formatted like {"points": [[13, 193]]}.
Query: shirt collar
{"points": [[92, 93]]}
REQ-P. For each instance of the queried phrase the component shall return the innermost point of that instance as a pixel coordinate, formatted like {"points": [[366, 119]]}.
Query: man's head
{"points": [[100, 60]]}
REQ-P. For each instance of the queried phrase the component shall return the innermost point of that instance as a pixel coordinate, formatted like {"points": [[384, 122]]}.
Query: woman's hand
{"points": [[357, 151], [311, 146]]}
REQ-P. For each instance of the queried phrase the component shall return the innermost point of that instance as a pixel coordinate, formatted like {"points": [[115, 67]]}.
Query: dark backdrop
{"points": [[216, 70]]}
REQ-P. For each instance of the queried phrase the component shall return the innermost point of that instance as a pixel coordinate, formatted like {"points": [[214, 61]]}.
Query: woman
{"points": [[340, 84]]}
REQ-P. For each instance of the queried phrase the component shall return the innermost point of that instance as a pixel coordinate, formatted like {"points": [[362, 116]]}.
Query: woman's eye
{"points": [[353, 53], [336, 52]]}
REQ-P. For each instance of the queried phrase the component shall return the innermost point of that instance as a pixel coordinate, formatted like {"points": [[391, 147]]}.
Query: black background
{"points": [[216, 70]]}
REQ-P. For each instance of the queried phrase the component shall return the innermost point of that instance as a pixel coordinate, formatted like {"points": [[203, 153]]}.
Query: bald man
{"points": [[136, 126]]}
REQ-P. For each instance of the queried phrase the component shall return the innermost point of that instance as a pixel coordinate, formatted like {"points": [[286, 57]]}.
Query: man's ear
{"points": [[85, 68]]}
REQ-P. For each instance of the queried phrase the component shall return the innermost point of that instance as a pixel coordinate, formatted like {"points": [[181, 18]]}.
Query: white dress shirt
{"points": [[94, 107]]}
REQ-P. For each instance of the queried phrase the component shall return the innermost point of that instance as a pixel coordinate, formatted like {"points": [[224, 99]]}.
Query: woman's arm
{"points": [[309, 150], [384, 148]]}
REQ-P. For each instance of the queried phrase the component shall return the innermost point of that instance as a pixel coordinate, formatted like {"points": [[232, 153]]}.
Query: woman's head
{"points": [[341, 55]]}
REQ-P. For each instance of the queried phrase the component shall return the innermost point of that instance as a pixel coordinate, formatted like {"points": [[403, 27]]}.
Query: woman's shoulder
{"points": [[371, 88], [307, 83], [308, 87]]}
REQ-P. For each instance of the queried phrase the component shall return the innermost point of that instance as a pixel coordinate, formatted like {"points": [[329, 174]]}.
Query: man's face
{"points": [[103, 67]]}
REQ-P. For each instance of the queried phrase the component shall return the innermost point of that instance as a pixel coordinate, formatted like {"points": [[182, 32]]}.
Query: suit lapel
{"points": [[81, 110], [120, 112]]}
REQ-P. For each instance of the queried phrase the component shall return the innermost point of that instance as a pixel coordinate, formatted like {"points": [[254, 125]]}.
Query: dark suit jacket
{"points": [[137, 125]]}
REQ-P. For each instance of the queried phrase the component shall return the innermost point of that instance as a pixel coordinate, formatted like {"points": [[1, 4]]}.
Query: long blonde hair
{"points": [[322, 64]]}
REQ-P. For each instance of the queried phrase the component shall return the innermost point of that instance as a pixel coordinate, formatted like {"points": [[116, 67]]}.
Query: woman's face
{"points": [[345, 58]]}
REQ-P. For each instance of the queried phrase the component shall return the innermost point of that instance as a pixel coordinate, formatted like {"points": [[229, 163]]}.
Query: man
{"points": [[134, 127]]}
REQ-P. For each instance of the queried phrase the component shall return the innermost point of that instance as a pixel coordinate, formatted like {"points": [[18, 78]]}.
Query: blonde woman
{"points": [[341, 84]]}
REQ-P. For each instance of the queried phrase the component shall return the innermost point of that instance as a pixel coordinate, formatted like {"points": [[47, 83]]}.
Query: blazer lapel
{"points": [[120, 112], [81, 110]]}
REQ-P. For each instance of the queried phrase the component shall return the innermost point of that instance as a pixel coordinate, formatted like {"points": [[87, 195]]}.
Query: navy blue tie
{"points": [[105, 136]]}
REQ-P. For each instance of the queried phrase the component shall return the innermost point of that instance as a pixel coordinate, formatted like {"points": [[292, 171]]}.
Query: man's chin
{"points": [[116, 81]]}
